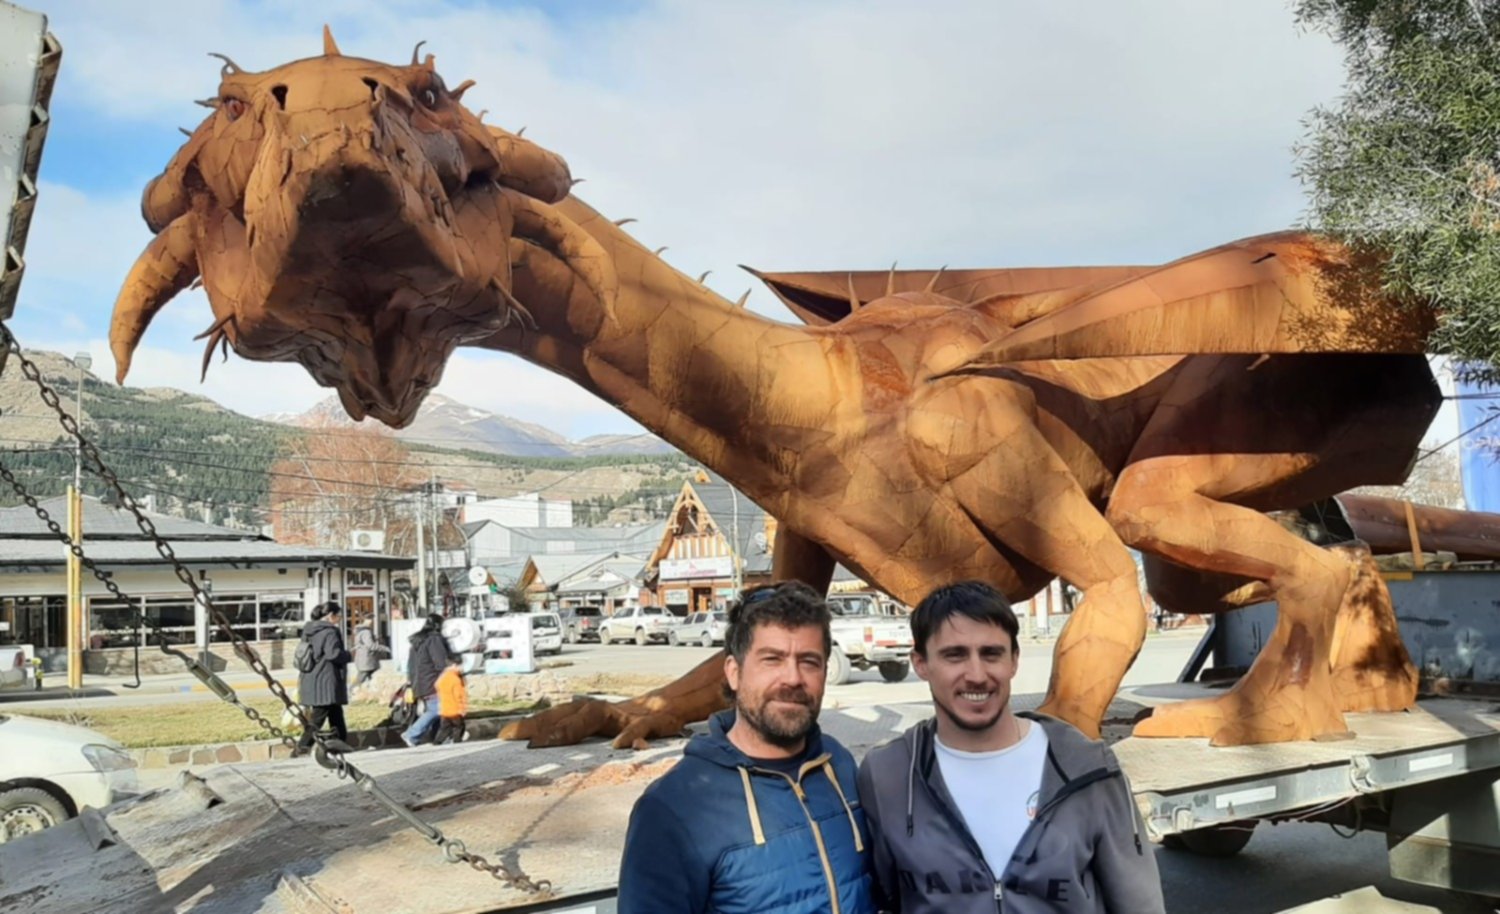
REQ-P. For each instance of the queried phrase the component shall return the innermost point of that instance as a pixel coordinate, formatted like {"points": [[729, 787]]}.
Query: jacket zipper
{"points": [[955, 819], [833, 885]]}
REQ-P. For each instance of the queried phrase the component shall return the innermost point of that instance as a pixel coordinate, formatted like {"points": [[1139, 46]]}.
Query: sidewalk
{"points": [[55, 687]]}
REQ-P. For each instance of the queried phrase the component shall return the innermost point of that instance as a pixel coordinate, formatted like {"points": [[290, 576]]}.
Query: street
{"points": [[1160, 660]]}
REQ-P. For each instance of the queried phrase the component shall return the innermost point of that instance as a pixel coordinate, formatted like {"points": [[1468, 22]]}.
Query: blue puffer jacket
{"points": [[717, 834]]}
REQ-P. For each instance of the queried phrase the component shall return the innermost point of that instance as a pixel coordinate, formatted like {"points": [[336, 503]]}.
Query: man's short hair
{"points": [[973, 599], [790, 604]]}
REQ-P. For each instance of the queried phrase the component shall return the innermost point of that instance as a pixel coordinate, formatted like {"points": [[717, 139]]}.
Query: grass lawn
{"points": [[200, 722]]}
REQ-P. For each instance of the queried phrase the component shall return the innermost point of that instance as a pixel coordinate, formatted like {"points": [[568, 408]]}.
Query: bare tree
{"points": [[335, 479]]}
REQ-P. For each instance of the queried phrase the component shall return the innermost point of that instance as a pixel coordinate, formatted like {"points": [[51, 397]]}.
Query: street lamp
{"points": [[83, 360]]}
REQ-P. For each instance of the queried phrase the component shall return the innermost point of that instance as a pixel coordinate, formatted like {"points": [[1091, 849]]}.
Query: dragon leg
{"points": [[1168, 506]]}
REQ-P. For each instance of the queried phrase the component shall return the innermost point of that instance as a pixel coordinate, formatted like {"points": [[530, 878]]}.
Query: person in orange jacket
{"points": [[453, 703]]}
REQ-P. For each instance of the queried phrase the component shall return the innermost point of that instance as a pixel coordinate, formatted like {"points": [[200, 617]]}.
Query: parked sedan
{"points": [[50, 771], [704, 629]]}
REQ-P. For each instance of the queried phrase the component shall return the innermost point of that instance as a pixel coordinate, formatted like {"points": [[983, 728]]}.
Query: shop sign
{"points": [[719, 566]]}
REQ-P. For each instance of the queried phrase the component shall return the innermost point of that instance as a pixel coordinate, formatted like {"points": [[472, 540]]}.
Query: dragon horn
{"points": [[463, 87], [414, 59], [658, 251], [522, 132], [932, 283], [743, 298], [230, 67], [704, 276], [890, 280], [626, 221], [330, 49], [854, 302], [165, 268]]}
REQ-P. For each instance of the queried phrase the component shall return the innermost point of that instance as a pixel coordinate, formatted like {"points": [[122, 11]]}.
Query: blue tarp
{"points": [[1479, 454]]}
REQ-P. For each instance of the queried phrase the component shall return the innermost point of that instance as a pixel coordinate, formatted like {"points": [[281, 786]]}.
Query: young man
{"points": [[760, 814], [323, 686], [983, 809]]}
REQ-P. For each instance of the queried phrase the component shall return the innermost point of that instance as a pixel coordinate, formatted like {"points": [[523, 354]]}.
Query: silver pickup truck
{"points": [[866, 635]]}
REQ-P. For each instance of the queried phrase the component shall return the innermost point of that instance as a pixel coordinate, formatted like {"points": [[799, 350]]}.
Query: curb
{"points": [[266, 750]]}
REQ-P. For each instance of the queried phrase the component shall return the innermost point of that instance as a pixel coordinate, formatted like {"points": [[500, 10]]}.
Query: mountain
{"points": [[194, 458], [186, 453], [446, 423]]}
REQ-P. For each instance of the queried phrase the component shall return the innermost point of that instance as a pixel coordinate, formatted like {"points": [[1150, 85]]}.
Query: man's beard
{"points": [[962, 724], [784, 727]]}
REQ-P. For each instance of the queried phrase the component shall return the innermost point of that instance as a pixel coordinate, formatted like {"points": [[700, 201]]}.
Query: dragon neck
{"points": [[711, 378]]}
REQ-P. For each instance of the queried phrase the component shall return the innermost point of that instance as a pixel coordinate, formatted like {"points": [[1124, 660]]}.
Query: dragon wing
{"points": [[826, 297], [1284, 293]]}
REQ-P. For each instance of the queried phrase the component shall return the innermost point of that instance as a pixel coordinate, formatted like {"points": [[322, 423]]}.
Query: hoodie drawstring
{"points": [[760, 835], [911, 782], [859, 844]]}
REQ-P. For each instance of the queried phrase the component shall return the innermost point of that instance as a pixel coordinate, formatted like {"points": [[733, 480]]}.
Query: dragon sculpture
{"points": [[1012, 425]]}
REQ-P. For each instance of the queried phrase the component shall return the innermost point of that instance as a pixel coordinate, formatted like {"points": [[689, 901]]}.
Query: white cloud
{"points": [[785, 135]]}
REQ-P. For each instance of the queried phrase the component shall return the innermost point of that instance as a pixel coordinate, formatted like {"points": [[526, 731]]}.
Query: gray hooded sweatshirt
{"points": [[1084, 852]]}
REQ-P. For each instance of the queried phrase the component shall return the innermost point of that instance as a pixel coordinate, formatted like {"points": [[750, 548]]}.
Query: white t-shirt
{"points": [[996, 792]]}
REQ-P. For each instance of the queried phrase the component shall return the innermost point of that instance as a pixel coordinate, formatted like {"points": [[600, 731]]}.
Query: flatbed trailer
{"points": [[1425, 777]]}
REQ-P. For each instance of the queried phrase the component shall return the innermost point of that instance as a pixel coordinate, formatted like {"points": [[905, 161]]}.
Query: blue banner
{"points": [[1479, 449]]}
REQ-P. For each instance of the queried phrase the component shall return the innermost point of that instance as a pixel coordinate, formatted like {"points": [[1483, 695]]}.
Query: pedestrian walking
{"points": [[367, 652], [322, 683], [427, 660], [453, 703]]}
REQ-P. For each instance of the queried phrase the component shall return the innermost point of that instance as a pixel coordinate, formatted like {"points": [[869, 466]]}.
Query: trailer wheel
{"points": [[1214, 841], [894, 670]]}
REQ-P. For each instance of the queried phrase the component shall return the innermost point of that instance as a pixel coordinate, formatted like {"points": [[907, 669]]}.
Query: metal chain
{"points": [[454, 850]]}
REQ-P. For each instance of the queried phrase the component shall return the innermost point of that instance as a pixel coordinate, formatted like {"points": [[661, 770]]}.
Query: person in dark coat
{"points": [[367, 652], [426, 662], [324, 689]]}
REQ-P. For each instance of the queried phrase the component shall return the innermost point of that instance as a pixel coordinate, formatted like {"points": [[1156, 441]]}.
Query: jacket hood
{"points": [[714, 746], [421, 635], [317, 625]]}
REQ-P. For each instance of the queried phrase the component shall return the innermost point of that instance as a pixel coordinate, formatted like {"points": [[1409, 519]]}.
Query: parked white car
{"points": [[641, 624], [49, 771], [704, 629], [546, 633]]}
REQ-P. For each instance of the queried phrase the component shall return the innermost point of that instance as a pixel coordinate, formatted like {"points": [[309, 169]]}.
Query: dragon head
{"points": [[347, 214]]}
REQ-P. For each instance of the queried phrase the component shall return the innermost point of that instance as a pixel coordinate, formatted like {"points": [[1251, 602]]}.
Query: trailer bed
{"points": [[1184, 784]]}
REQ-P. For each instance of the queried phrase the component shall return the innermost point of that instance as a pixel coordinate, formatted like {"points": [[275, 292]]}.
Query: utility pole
{"points": [[421, 556], [75, 533], [75, 591], [734, 547], [432, 518]]}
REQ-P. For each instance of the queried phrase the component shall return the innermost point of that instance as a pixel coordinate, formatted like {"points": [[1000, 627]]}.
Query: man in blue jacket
{"points": [[761, 814]]}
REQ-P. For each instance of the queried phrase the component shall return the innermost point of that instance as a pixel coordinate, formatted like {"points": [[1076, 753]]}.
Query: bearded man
{"points": [[761, 813]]}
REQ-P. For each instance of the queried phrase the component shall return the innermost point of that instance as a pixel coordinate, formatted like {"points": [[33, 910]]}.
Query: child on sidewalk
{"points": [[453, 703]]}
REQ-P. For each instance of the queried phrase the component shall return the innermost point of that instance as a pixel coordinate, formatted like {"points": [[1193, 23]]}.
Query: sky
{"points": [[784, 134]]}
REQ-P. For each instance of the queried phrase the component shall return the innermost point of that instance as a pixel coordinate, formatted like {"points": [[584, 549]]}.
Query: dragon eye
{"points": [[234, 107], [429, 98]]}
